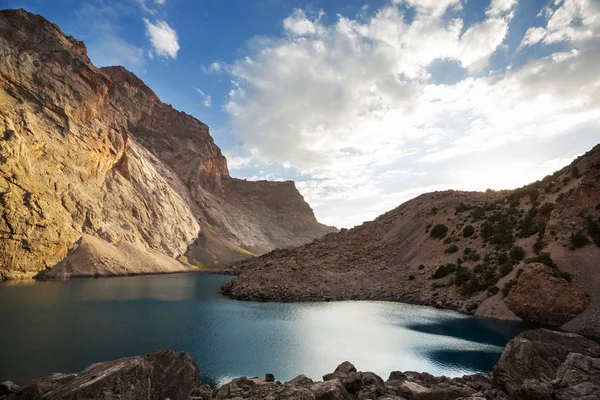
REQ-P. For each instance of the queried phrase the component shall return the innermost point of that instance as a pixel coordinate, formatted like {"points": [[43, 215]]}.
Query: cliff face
{"points": [[96, 172], [480, 253]]}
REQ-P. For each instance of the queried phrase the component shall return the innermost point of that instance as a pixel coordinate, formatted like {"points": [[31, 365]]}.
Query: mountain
{"points": [[99, 177], [527, 254]]}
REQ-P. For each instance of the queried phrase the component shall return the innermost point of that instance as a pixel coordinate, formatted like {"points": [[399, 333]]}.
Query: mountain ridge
{"points": [[459, 250], [96, 172]]}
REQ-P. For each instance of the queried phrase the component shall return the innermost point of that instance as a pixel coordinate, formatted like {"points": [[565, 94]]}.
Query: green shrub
{"points": [[439, 231], [451, 249], [517, 254], [492, 290], [579, 240], [505, 269], [519, 272], [468, 231], [459, 261], [478, 214], [462, 276], [545, 258], [411, 277], [575, 172], [448, 240], [443, 271], [421, 267], [467, 251], [546, 209], [434, 210], [594, 230], [508, 286]]}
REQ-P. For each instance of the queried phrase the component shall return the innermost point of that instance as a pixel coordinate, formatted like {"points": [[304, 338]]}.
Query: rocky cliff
{"points": [[531, 253], [537, 364], [99, 177]]}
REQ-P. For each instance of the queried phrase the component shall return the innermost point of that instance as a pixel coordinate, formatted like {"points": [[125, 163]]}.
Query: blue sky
{"points": [[364, 104]]}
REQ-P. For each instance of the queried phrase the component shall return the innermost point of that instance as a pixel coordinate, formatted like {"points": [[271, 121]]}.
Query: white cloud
{"points": [[500, 7], [207, 100], [571, 21], [163, 39], [160, 2], [350, 102]]}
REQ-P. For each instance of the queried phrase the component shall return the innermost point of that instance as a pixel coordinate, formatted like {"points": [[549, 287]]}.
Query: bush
{"points": [[421, 267], [411, 277], [546, 209], [451, 249], [462, 276], [517, 254], [459, 261], [434, 210], [579, 240], [478, 214], [519, 272], [594, 231], [439, 231], [427, 227], [467, 251], [509, 285], [506, 269], [492, 290], [545, 258], [443, 271], [468, 231], [575, 172]]}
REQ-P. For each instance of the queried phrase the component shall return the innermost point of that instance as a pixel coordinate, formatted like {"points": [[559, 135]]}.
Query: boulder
{"points": [[542, 296], [531, 361], [158, 375]]}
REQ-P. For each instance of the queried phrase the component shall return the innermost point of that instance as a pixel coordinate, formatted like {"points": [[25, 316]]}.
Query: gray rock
{"points": [[158, 375], [8, 387]]}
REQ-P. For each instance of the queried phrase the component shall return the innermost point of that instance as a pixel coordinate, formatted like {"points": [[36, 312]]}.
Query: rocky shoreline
{"points": [[538, 364]]}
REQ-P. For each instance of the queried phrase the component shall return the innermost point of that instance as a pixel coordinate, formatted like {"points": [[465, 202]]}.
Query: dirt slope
{"points": [[458, 250]]}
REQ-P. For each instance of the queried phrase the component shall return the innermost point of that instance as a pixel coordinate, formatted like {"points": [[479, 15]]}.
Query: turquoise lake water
{"points": [[66, 326]]}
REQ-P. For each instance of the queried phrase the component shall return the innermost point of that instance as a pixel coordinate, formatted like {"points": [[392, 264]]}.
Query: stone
{"points": [[269, 378], [158, 375], [540, 296], [8, 387]]}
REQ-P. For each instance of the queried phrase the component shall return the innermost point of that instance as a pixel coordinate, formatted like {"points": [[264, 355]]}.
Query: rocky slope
{"points": [[531, 253], [537, 364], [99, 177]]}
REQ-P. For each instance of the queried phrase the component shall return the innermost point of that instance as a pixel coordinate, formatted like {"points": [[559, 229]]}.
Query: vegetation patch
{"points": [[439, 231], [594, 231], [451, 249], [444, 270], [468, 231], [508, 286], [579, 240]]}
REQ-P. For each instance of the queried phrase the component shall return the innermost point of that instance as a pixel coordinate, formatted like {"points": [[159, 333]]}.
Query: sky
{"points": [[364, 104]]}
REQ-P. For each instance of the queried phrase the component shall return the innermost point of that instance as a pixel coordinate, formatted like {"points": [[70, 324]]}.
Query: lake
{"points": [[66, 326]]}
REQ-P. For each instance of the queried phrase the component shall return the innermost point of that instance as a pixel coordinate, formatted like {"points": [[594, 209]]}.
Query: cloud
{"points": [[571, 21], [163, 39], [345, 103], [160, 2], [207, 99]]}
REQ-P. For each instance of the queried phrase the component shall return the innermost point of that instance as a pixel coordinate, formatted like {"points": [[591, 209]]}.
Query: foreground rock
{"points": [[461, 251], [99, 177], [537, 364]]}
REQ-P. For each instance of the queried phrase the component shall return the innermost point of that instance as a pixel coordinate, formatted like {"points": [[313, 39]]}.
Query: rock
{"points": [[92, 159], [235, 388], [541, 297], [330, 390], [269, 378], [158, 375], [8, 387], [531, 361], [578, 378]]}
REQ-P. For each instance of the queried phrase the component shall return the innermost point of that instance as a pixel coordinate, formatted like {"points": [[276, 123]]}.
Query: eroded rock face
{"points": [[539, 364], [543, 297], [88, 151], [158, 375]]}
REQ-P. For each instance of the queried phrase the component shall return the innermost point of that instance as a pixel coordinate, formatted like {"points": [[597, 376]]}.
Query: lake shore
{"points": [[538, 364]]}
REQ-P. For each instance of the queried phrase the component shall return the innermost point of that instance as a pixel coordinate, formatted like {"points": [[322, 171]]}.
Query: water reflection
{"points": [[65, 326]]}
